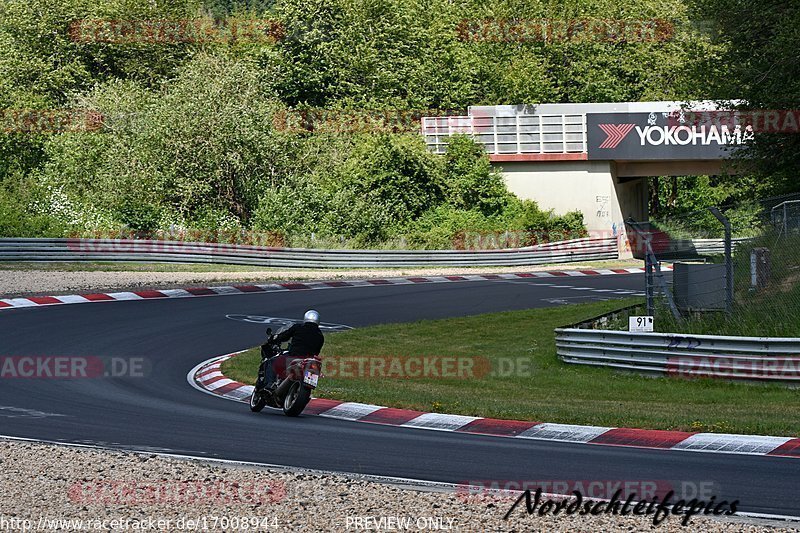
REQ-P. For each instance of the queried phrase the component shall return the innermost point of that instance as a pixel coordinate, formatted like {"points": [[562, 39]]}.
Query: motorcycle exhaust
{"points": [[283, 388]]}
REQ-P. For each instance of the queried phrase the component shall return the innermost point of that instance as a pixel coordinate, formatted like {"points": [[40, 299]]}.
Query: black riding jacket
{"points": [[306, 339]]}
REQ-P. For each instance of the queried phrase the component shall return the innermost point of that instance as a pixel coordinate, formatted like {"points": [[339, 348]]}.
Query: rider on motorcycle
{"points": [[306, 340]]}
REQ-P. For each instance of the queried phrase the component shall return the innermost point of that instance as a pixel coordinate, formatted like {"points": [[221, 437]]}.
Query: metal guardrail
{"points": [[750, 358], [514, 134], [786, 216], [672, 249], [587, 249]]}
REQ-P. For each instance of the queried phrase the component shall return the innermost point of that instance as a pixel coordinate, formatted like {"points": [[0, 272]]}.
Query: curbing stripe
{"points": [[200, 291], [45, 300], [214, 377], [248, 288], [272, 287], [563, 432], [295, 286], [351, 411], [225, 290], [150, 294], [440, 421], [125, 296], [21, 302], [215, 383], [230, 389], [643, 438], [97, 297], [208, 378], [34, 301], [493, 426], [72, 299], [391, 416], [320, 405], [717, 442], [789, 448], [176, 293]]}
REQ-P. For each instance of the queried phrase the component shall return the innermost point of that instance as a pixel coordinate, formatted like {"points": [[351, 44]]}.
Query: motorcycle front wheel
{"points": [[296, 399], [257, 401]]}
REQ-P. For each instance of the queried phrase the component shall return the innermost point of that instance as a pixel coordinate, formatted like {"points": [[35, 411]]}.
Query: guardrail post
{"points": [[728, 258], [648, 284]]}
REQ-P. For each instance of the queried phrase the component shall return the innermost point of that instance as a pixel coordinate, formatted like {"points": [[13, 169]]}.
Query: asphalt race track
{"points": [[164, 413]]}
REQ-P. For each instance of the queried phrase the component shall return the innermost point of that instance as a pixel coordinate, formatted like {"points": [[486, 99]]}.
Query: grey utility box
{"points": [[698, 286]]}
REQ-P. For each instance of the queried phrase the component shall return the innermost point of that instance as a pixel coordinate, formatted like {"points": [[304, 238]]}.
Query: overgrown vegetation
{"points": [[771, 311], [189, 135]]}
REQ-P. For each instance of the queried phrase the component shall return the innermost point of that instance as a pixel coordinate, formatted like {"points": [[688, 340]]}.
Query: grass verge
{"points": [[552, 391]]}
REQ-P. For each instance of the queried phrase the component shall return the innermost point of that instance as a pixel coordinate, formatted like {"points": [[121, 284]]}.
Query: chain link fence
{"points": [[730, 270]]}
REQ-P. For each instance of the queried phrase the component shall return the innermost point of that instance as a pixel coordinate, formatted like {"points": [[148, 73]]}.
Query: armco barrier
{"points": [[587, 249], [751, 358]]}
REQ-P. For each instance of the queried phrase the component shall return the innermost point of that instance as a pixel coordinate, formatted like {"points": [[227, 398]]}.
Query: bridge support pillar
{"points": [[591, 187]]}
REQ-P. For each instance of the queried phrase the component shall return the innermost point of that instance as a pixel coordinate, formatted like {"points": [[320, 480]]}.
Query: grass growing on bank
{"points": [[771, 311], [552, 391]]}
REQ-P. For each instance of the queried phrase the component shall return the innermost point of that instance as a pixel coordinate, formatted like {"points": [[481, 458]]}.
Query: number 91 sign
{"points": [[640, 324]]}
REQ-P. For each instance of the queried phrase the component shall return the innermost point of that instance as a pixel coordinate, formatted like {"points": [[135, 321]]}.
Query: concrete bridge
{"points": [[594, 158]]}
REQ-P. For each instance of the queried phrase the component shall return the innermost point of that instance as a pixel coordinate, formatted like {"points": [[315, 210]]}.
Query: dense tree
{"points": [[192, 132], [757, 64]]}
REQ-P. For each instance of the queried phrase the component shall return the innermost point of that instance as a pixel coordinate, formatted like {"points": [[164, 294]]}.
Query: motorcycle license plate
{"points": [[311, 379]]}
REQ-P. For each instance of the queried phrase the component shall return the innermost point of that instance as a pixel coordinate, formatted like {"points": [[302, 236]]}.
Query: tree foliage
{"points": [[190, 136]]}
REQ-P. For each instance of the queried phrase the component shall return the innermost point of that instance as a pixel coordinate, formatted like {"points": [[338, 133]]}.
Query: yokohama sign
{"points": [[643, 136]]}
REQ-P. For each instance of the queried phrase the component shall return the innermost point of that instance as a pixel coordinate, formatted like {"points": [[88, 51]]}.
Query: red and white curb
{"points": [[34, 301], [207, 377]]}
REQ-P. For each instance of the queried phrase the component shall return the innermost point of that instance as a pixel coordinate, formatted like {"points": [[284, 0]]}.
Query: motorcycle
{"points": [[295, 380]]}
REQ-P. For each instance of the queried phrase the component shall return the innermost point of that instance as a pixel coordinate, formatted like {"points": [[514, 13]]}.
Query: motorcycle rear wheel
{"points": [[296, 399]]}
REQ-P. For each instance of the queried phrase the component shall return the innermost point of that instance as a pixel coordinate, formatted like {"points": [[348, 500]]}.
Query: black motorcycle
{"points": [[296, 378]]}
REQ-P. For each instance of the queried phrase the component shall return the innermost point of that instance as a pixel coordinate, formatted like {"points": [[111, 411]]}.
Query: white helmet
{"points": [[311, 316]]}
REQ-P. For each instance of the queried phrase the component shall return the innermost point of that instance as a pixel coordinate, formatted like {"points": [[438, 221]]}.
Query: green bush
{"points": [[471, 182], [18, 220], [292, 208], [441, 227]]}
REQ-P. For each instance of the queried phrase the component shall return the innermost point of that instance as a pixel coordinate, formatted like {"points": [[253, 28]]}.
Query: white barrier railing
{"points": [[587, 249], [515, 134]]}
